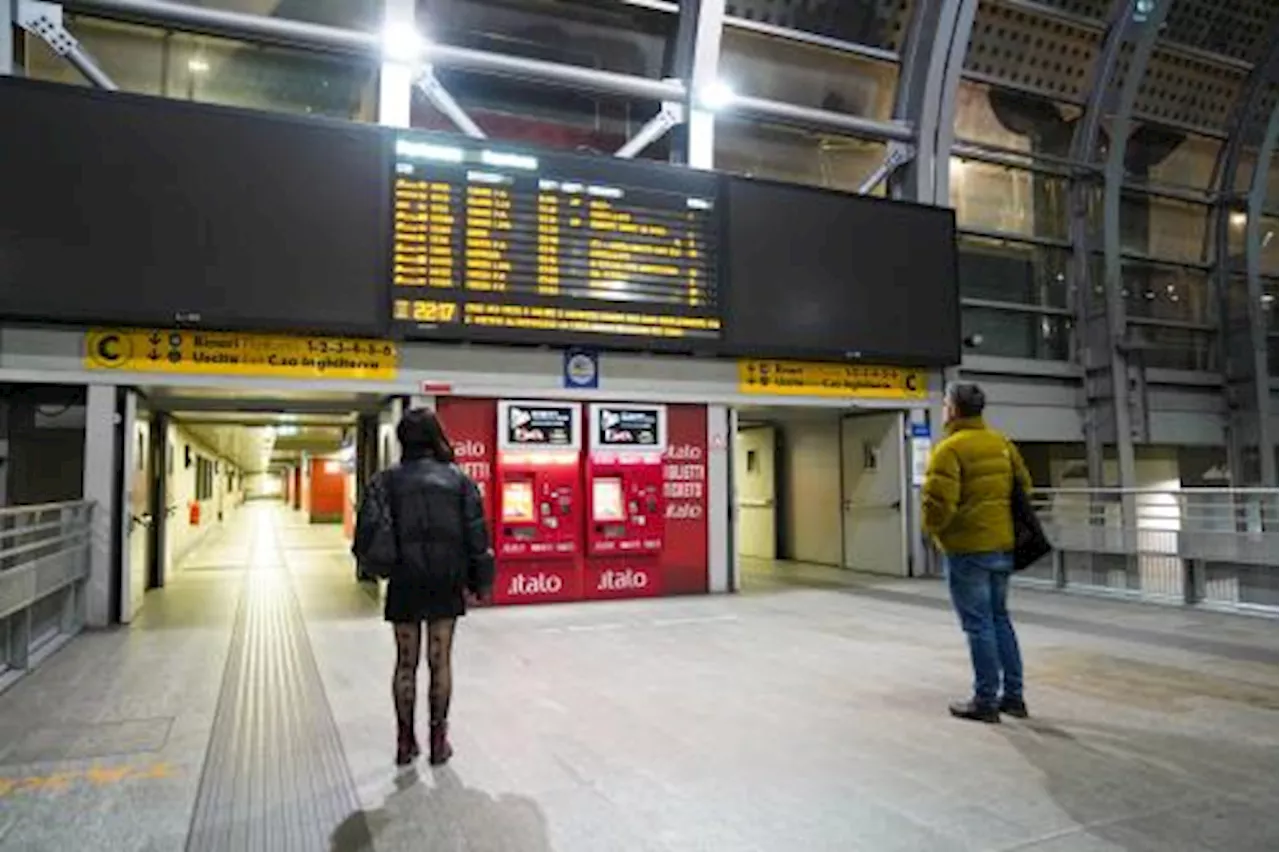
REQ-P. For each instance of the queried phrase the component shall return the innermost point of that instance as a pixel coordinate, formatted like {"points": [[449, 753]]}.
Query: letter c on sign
{"points": [[911, 381], [108, 350]]}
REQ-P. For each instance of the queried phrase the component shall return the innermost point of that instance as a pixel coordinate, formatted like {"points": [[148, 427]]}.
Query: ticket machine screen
{"points": [[606, 499], [517, 501]]}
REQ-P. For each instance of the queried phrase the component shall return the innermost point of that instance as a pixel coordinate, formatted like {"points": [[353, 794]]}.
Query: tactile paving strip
{"points": [[275, 777]]}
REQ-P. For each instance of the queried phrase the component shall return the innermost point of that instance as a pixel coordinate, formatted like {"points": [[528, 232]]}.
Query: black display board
{"points": [[820, 274], [116, 208], [489, 243]]}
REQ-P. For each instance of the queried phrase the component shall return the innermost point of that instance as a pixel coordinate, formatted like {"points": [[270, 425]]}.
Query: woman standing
{"points": [[421, 525]]}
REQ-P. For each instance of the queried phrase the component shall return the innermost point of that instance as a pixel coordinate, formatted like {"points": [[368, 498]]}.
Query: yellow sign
{"points": [[220, 353], [850, 381]]}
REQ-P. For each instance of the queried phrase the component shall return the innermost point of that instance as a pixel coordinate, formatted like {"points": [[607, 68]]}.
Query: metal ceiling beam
{"points": [[44, 21]]}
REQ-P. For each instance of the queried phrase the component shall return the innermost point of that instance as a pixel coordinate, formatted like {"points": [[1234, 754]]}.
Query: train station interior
{"points": [[740, 322]]}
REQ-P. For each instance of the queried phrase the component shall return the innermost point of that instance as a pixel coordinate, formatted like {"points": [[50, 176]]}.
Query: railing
{"points": [[1214, 547], [44, 566]]}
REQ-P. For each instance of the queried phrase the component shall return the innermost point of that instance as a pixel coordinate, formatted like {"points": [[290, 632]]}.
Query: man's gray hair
{"points": [[967, 399]]}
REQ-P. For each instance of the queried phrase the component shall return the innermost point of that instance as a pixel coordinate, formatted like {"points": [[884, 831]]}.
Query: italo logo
{"points": [[625, 580], [535, 584]]}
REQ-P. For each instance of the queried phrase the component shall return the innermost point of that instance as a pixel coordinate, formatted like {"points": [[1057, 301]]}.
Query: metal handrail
{"points": [[29, 508]]}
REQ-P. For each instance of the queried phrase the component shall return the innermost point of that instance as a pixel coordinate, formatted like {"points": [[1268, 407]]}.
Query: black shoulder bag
{"points": [[1030, 544], [381, 554]]}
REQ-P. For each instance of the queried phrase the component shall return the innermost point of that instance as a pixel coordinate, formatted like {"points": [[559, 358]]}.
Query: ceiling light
{"points": [[716, 96], [197, 66], [402, 43]]}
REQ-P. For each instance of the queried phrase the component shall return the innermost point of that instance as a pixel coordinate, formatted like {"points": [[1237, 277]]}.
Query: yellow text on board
{"points": [[850, 381], [218, 353]]}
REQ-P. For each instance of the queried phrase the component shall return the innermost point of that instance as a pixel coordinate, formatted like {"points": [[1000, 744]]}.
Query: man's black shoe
{"points": [[975, 712], [1014, 707]]}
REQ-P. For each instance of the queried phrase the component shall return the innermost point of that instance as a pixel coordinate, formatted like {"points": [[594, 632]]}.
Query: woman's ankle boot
{"points": [[441, 751], [406, 745]]}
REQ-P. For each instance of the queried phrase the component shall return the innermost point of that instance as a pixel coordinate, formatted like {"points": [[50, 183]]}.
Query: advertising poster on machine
{"points": [[538, 505], [472, 429], [626, 508]]}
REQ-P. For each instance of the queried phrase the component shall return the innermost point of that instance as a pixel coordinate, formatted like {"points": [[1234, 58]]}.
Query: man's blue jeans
{"points": [[979, 584]]}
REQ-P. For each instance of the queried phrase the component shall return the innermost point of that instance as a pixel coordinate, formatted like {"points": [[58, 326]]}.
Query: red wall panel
{"points": [[328, 491]]}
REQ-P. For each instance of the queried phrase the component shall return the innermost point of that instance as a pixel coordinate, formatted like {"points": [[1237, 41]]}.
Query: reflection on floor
{"points": [[249, 708]]}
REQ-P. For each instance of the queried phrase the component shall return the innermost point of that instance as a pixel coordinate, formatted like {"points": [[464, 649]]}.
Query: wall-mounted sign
{"points": [[539, 425], [581, 369], [761, 376], [215, 353], [626, 426]]}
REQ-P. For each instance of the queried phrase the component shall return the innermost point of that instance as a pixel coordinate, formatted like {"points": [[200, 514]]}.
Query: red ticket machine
{"points": [[626, 509], [537, 528]]}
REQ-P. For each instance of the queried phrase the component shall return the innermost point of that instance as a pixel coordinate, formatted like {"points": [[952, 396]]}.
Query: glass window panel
{"points": [[1163, 228], [132, 56], [1008, 200], [871, 22], [604, 34], [1170, 157], [220, 71], [355, 14], [151, 61], [1176, 348], [1011, 334], [1237, 228], [1003, 271], [796, 156], [1163, 292], [769, 67], [1005, 119], [512, 110]]}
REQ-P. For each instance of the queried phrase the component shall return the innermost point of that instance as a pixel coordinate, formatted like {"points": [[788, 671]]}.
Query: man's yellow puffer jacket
{"points": [[967, 488]]}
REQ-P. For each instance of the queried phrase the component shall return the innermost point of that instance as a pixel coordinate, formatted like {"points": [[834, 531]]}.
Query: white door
{"points": [[754, 484], [875, 493], [137, 507]]}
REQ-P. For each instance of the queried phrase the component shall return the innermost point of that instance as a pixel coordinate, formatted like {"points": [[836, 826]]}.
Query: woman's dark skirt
{"points": [[410, 603]]}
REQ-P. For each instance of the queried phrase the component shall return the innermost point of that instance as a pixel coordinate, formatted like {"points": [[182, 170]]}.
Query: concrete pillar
{"points": [[102, 460]]}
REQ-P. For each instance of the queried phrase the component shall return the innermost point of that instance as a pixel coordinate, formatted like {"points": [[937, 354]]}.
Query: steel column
{"points": [[395, 77], [703, 74], [1225, 178], [1257, 322], [1084, 145], [1113, 184], [6, 37], [932, 58]]}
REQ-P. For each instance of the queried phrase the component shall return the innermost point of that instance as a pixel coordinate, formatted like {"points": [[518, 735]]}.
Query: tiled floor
{"points": [[808, 714]]}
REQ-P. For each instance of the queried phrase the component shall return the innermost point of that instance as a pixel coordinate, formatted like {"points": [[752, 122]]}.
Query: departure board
{"points": [[558, 249]]}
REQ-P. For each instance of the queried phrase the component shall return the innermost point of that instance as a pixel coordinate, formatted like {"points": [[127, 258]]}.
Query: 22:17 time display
{"points": [[425, 311]]}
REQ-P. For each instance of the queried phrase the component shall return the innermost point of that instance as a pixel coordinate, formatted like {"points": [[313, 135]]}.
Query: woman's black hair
{"points": [[421, 434]]}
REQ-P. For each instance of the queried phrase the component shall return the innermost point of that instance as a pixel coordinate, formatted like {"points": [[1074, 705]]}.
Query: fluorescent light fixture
{"points": [[402, 43], [513, 161], [197, 65], [716, 96], [1238, 219], [427, 151]]}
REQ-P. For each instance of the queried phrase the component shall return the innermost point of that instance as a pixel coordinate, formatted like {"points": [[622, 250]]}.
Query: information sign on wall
{"points": [[214, 353], [850, 381]]}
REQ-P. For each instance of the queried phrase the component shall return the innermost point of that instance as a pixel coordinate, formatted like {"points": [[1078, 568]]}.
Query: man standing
{"points": [[967, 510]]}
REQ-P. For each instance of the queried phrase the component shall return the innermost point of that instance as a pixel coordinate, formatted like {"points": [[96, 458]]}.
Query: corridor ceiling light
{"points": [[716, 96], [1238, 219], [402, 43], [197, 66]]}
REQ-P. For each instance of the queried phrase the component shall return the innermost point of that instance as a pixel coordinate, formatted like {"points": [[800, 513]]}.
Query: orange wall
{"points": [[328, 492]]}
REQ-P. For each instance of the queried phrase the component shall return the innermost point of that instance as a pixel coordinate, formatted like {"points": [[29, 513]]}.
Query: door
{"points": [[873, 450], [158, 475], [138, 517], [755, 485]]}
